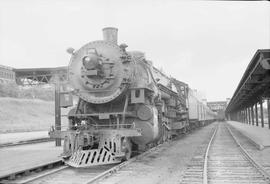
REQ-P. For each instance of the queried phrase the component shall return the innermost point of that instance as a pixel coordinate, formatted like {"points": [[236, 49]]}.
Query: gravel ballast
{"points": [[165, 165]]}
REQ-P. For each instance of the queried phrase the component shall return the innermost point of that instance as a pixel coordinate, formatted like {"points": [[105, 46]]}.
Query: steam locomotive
{"points": [[125, 104]]}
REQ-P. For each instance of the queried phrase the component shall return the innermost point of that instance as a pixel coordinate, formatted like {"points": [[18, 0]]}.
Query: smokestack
{"points": [[110, 34]]}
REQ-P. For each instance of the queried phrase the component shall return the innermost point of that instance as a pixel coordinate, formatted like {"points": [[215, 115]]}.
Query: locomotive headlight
{"points": [[87, 59], [91, 61]]}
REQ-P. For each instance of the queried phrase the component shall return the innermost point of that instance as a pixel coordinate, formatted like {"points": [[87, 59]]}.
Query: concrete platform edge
{"points": [[259, 146]]}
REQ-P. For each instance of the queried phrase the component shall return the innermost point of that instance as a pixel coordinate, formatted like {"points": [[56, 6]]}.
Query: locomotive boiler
{"points": [[125, 104]]}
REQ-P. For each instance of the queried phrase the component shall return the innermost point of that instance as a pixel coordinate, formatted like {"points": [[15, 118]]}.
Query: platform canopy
{"points": [[255, 83], [35, 76]]}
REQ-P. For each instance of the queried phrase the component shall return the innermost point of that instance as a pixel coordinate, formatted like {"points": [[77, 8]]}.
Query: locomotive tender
{"points": [[125, 104]]}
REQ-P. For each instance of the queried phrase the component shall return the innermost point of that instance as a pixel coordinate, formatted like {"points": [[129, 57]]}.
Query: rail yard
{"points": [[203, 162], [126, 137], [124, 109]]}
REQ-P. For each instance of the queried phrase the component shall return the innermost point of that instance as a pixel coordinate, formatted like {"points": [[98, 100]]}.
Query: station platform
{"points": [[18, 158], [22, 136], [260, 137]]}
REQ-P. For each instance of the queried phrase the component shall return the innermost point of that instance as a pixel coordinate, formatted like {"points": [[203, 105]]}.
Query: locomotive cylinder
{"points": [[110, 34]]}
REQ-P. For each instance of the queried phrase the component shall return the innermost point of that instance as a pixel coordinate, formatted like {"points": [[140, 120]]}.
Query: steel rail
{"points": [[100, 176], [263, 172], [26, 142], [42, 175], [121, 165], [104, 174], [205, 179], [40, 168]]}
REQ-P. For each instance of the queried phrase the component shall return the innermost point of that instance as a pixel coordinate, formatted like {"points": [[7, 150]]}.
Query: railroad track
{"points": [[194, 171], [31, 172], [59, 173], [226, 161], [259, 155], [221, 159]]}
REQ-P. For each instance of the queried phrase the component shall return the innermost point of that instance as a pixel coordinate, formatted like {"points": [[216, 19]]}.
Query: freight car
{"points": [[125, 104]]}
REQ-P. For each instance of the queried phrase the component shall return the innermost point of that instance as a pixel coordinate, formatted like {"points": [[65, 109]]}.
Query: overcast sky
{"points": [[207, 44]]}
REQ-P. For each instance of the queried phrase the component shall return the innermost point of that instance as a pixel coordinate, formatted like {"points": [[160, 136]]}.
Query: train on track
{"points": [[125, 104]]}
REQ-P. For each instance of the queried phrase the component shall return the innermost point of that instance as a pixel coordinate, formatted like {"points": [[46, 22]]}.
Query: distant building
{"points": [[217, 105], [7, 75]]}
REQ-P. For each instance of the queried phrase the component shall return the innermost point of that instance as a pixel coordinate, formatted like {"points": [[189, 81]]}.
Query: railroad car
{"points": [[199, 112], [220, 115], [125, 104]]}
